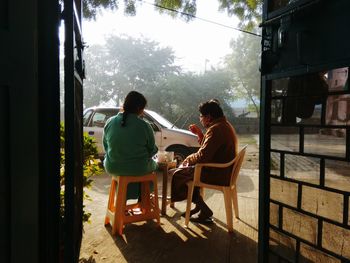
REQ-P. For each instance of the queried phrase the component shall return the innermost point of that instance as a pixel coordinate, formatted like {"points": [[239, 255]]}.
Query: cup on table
{"points": [[165, 157], [161, 155], [170, 156]]}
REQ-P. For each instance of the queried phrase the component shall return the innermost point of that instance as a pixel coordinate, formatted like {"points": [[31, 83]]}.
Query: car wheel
{"points": [[180, 153]]}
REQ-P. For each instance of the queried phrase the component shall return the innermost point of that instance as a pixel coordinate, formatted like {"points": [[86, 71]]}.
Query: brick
{"points": [[302, 168], [283, 191], [285, 142], [282, 245], [337, 175], [324, 144], [310, 254], [275, 164], [336, 239], [349, 212], [274, 214], [300, 225], [323, 203]]}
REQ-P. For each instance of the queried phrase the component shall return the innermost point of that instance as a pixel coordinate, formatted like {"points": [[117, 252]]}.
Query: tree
{"points": [[243, 63], [91, 7], [178, 96], [97, 86], [125, 64], [248, 11], [184, 7]]}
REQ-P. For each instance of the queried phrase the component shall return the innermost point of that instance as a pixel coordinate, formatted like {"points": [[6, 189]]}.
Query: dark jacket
{"points": [[219, 145]]}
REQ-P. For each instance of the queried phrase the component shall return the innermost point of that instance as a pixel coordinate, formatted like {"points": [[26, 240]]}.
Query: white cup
{"points": [[162, 157], [170, 156]]}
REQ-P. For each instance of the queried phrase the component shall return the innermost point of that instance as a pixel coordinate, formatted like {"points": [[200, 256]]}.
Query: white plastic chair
{"points": [[230, 191]]}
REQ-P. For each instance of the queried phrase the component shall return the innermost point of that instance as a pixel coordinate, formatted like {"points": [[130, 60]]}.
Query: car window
{"points": [[150, 122], [160, 119], [99, 119], [110, 113], [86, 117]]}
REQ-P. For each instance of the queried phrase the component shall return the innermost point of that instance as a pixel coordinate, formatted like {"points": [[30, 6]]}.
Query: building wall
{"points": [[246, 125]]}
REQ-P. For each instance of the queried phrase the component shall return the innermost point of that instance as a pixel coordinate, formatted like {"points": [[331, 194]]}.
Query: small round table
{"points": [[164, 167]]}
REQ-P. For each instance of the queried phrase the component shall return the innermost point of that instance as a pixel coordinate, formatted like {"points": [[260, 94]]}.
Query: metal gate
{"points": [[73, 115], [5, 187], [305, 134]]}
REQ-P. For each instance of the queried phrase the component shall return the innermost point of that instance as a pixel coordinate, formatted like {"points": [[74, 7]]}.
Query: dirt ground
{"points": [[97, 246], [252, 154]]}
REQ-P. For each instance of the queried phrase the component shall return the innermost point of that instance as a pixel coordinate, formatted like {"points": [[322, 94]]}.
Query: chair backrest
{"points": [[237, 164]]}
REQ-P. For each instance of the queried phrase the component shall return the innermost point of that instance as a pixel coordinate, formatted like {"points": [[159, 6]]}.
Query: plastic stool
{"points": [[119, 213]]}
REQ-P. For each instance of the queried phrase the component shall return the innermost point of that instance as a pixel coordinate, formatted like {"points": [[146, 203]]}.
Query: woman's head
{"points": [[134, 102]]}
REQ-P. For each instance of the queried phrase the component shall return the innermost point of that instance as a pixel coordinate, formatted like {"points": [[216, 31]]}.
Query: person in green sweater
{"points": [[129, 143]]}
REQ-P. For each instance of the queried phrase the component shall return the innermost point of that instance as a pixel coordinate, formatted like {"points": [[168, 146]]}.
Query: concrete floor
{"points": [[171, 242]]}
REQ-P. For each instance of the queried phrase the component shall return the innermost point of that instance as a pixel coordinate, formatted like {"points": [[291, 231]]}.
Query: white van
{"points": [[167, 136]]}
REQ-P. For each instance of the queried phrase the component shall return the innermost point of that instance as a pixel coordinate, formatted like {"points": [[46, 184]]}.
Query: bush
{"points": [[91, 166]]}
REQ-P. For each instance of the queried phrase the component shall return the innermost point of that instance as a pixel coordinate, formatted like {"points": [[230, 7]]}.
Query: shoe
{"points": [[201, 219], [192, 212], [206, 212]]}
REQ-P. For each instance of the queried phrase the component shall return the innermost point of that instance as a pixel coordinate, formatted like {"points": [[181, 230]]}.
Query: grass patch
{"points": [[247, 139]]}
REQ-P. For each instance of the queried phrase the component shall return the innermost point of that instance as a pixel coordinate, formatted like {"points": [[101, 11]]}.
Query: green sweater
{"points": [[129, 149]]}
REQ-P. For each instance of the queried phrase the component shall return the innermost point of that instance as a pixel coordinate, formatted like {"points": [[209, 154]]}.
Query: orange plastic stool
{"points": [[119, 213]]}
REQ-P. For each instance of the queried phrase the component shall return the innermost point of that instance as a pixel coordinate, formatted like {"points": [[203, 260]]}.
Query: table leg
{"points": [[165, 190]]}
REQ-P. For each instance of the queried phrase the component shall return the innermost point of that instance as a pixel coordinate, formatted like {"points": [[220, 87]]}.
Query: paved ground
{"points": [[171, 242]]}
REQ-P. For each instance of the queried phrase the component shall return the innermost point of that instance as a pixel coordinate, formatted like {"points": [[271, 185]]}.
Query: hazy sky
{"points": [[193, 42]]}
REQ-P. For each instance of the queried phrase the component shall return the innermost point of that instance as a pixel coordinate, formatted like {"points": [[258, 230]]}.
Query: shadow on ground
{"points": [[171, 241], [200, 243]]}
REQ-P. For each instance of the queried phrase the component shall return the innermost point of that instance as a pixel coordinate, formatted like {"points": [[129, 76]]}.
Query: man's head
{"points": [[209, 111]]}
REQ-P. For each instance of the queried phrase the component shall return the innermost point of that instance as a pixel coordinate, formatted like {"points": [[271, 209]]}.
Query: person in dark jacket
{"points": [[218, 145]]}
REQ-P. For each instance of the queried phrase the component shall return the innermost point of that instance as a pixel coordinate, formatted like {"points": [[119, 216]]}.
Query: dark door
{"points": [[73, 116], [305, 133], [5, 186], [29, 152]]}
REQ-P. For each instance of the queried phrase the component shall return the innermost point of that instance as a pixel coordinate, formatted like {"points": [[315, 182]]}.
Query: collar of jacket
{"points": [[220, 119]]}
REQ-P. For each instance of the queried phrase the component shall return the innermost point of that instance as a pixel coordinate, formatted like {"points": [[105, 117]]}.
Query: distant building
{"points": [[244, 112], [338, 106]]}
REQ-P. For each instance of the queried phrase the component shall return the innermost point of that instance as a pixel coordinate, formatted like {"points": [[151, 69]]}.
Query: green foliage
{"points": [[91, 166], [178, 96], [91, 7], [185, 9], [125, 64], [243, 64], [248, 11]]}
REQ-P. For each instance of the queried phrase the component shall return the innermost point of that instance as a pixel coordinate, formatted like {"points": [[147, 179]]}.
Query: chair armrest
{"points": [[198, 169], [236, 161], [216, 165]]}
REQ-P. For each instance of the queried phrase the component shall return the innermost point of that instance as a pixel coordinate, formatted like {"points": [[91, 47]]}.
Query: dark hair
{"points": [[134, 103], [212, 108]]}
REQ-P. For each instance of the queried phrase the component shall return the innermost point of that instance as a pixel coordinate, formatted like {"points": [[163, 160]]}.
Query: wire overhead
{"points": [[202, 19]]}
